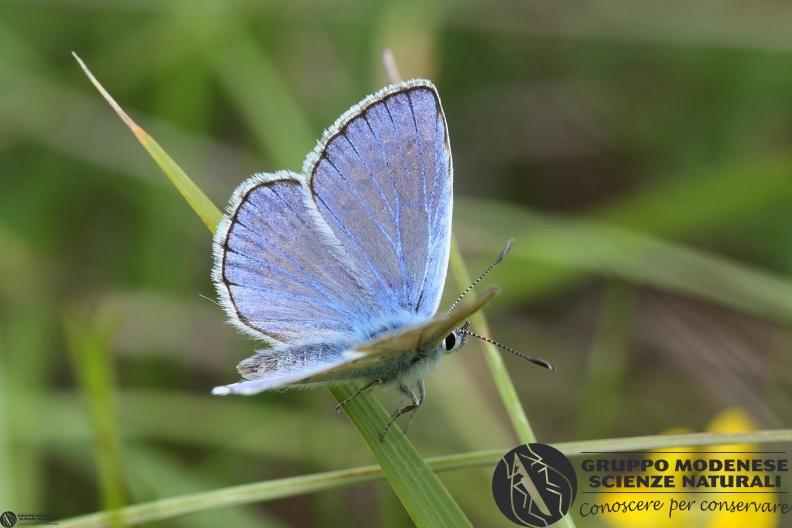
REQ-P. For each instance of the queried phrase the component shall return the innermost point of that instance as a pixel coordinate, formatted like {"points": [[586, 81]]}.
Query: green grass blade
{"points": [[501, 376], [89, 345], [497, 367], [607, 362], [675, 208], [204, 208], [575, 248], [6, 437], [276, 120], [294, 486], [423, 495]]}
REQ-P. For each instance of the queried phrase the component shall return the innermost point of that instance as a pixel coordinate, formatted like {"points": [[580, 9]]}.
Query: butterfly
{"points": [[340, 269]]}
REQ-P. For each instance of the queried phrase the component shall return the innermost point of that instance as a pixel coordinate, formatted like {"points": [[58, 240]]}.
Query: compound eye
{"points": [[450, 342]]}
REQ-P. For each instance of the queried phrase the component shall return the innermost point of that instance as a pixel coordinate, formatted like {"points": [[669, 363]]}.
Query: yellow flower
{"points": [[650, 518], [729, 421], [704, 510]]}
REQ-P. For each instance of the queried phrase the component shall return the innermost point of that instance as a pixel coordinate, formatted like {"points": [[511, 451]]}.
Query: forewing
{"points": [[279, 272], [382, 177]]}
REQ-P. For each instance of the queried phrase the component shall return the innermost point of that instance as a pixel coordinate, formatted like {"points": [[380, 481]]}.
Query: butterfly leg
{"points": [[358, 393], [406, 391], [421, 396]]}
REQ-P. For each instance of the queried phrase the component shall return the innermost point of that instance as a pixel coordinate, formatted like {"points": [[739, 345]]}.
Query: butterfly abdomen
{"points": [[287, 358]]}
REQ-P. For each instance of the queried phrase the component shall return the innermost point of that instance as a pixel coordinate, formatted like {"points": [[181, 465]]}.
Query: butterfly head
{"points": [[456, 339]]}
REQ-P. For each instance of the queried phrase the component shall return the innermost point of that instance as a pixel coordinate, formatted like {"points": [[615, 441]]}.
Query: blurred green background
{"points": [[638, 153]]}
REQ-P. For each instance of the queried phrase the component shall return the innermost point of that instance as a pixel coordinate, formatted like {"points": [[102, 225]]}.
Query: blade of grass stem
{"points": [[295, 486], [502, 380], [573, 248], [420, 490], [206, 210], [495, 362], [89, 344]]}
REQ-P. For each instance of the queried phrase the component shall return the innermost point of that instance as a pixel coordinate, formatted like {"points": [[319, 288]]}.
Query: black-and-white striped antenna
{"points": [[497, 261], [535, 361], [464, 329]]}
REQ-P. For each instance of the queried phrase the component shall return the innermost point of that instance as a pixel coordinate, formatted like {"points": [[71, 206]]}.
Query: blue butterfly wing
{"points": [[382, 180], [355, 246], [279, 273]]}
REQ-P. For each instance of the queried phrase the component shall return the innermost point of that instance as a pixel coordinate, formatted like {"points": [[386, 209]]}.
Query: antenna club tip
{"points": [[542, 363], [505, 250]]}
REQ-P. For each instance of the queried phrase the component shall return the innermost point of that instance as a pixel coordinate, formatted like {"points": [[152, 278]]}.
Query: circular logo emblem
{"points": [[8, 519], [534, 485]]}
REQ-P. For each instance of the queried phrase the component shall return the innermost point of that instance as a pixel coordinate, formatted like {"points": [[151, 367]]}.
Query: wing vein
{"points": [[426, 205], [397, 225], [362, 202], [353, 239], [374, 180], [402, 265], [311, 282]]}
